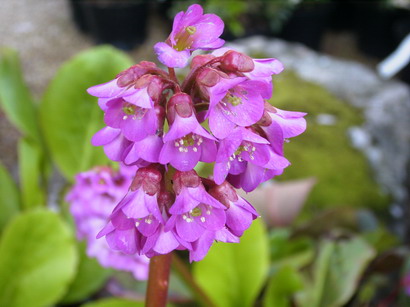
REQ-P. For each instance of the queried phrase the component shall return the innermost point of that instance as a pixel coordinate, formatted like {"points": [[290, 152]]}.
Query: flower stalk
{"points": [[158, 281]]}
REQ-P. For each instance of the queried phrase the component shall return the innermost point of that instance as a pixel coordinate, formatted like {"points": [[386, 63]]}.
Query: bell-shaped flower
{"points": [[235, 102], [240, 213], [135, 122], [186, 142], [191, 30], [194, 210], [137, 215], [280, 125], [240, 147]]}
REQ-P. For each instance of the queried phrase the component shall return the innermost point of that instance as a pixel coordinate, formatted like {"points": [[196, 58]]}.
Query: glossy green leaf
{"points": [[281, 287], [9, 197], [32, 180], [37, 260], [15, 97], [114, 302], [70, 117], [233, 274], [336, 272], [90, 277]]}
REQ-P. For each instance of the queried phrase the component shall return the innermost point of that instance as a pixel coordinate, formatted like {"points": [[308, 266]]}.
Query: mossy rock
{"points": [[324, 151]]}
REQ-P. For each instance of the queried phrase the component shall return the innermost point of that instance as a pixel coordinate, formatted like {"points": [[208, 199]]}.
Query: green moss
{"points": [[343, 174]]}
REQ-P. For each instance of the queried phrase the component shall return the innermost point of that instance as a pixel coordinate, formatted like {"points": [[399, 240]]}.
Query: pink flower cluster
{"points": [[160, 125], [92, 199]]}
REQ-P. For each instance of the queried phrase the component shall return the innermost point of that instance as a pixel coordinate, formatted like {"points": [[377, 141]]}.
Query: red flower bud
{"points": [[201, 60], [185, 179], [224, 193], [235, 61], [208, 77], [180, 103]]}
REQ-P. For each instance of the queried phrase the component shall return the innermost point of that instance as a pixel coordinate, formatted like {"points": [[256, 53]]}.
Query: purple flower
{"points": [[191, 30], [138, 215], [186, 142], [240, 213], [280, 125], [249, 156], [235, 102], [135, 122], [194, 210], [92, 198]]}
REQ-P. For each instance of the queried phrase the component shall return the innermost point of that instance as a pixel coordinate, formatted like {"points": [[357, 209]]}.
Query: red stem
{"points": [[172, 74], [158, 280]]}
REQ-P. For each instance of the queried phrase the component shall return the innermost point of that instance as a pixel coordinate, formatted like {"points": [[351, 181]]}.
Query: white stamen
{"points": [[202, 219], [195, 149], [124, 117], [176, 144]]}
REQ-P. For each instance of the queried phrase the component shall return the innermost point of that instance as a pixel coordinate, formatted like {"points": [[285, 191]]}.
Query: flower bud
{"points": [[224, 193], [131, 75], [180, 103], [149, 178], [235, 61], [188, 179], [201, 60], [265, 120], [208, 77]]}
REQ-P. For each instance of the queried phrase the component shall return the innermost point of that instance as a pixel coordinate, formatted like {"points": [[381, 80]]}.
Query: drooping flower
{"points": [[239, 213], [91, 200], [186, 142], [280, 125], [235, 102], [194, 211], [191, 30], [137, 215]]}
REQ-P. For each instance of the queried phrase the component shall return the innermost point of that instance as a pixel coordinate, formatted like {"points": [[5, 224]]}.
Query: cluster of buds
{"points": [[92, 199], [219, 114]]}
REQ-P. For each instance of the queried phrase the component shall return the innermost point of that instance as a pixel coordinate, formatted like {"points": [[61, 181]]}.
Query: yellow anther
{"points": [[190, 30]]}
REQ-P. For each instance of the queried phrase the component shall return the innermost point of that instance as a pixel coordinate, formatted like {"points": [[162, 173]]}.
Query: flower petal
{"points": [[171, 57]]}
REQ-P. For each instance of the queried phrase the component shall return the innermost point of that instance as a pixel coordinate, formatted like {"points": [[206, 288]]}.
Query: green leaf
{"points": [[37, 260], [90, 277], [233, 274], [70, 116], [15, 97], [114, 302], [33, 186], [284, 250], [9, 197], [283, 284], [336, 272]]}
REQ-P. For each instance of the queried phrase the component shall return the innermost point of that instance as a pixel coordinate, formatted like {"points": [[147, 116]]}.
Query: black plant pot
{"points": [[78, 14], [308, 24], [374, 28], [122, 23]]}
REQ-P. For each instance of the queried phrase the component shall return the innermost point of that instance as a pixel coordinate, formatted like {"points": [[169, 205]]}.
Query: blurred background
{"points": [[348, 189]]}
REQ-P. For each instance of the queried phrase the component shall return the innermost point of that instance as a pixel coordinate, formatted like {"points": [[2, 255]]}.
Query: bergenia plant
{"points": [[159, 126]]}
